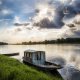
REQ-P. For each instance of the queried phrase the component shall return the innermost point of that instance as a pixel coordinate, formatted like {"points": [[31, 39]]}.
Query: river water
{"points": [[67, 55]]}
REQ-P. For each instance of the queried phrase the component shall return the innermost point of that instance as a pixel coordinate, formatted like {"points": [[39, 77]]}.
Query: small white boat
{"points": [[37, 59]]}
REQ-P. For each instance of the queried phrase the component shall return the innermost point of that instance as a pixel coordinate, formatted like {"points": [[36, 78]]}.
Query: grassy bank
{"points": [[12, 69]]}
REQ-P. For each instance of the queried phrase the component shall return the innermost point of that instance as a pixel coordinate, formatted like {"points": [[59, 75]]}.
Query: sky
{"points": [[38, 20]]}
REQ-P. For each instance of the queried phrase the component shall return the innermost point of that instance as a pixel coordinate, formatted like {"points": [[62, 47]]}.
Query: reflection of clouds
{"points": [[58, 50], [58, 60], [69, 54], [70, 73], [75, 59]]}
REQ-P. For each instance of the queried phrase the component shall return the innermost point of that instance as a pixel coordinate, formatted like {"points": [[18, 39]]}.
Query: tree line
{"points": [[3, 43], [62, 41]]}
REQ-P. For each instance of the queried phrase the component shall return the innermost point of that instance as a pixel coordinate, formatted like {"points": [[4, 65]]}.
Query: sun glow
{"points": [[44, 12]]}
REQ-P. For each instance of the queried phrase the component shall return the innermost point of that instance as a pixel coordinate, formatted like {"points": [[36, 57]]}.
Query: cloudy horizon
{"points": [[37, 20]]}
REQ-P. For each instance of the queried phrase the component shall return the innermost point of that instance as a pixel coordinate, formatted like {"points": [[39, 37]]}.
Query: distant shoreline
{"points": [[58, 41]]}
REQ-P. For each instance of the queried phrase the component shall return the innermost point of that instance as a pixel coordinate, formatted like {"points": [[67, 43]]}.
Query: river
{"points": [[67, 55]]}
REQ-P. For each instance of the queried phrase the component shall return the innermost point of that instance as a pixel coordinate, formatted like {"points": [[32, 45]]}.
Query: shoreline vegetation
{"points": [[3, 43], [12, 69], [58, 41]]}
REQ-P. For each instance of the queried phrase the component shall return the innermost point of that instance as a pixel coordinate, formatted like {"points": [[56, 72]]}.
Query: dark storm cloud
{"points": [[76, 5], [77, 33], [72, 10], [58, 18], [24, 24], [45, 23]]}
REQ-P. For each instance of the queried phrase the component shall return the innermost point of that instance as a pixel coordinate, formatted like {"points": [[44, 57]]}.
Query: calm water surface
{"points": [[67, 55]]}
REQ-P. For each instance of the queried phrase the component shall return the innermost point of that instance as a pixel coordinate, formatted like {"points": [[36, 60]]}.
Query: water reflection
{"points": [[70, 73], [59, 60], [66, 55]]}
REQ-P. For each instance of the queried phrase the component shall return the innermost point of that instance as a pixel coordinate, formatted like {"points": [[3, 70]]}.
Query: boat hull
{"points": [[53, 71], [47, 66]]}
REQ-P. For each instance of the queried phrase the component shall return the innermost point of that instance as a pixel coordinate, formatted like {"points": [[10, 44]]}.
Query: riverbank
{"points": [[12, 69]]}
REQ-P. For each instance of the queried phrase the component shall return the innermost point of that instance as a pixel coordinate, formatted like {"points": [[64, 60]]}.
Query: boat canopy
{"points": [[36, 57]]}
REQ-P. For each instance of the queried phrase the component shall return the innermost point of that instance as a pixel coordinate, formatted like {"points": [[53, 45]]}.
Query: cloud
{"points": [[45, 23], [5, 23], [53, 15], [24, 33], [6, 11], [58, 17], [49, 16], [73, 27], [16, 19], [16, 7], [0, 2]]}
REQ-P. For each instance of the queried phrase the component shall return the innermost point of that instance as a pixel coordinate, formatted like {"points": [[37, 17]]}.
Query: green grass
{"points": [[12, 69]]}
